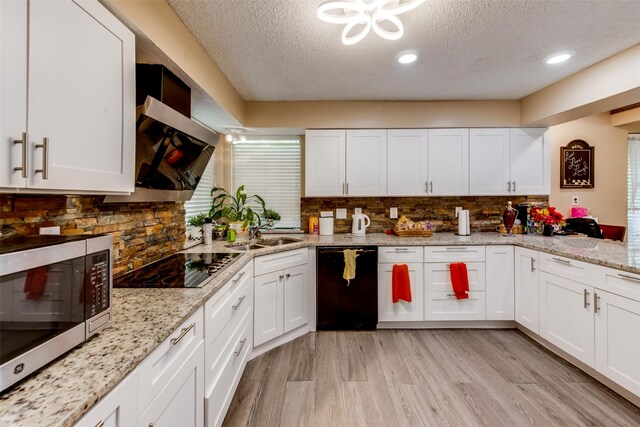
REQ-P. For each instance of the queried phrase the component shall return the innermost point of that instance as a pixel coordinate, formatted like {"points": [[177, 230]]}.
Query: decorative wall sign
{"points": [[577, 165]]}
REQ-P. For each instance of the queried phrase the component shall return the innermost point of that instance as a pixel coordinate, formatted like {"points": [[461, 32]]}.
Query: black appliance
{"points": [[177, 271], [586, 226], [342, 305]]}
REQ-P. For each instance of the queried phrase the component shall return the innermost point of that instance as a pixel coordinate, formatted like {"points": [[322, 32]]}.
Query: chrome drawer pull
{"points": [[281, 277], [45, 158], [401, 249], [459, 248], [25, 153], [100, 424], [508, 186], [288, 275], [596, 300], [185, 331], [564, 261], [237, 279], [237, 352], [586, 299], [629, 277], [235, 307], [533, 266]]}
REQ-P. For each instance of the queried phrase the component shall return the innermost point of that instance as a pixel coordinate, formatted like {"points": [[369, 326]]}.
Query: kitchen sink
{"points": [[279, 241], [244, 246]]}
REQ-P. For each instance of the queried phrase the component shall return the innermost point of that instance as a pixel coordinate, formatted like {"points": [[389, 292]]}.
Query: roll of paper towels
{"points": [[326, 226], [464, 228]]}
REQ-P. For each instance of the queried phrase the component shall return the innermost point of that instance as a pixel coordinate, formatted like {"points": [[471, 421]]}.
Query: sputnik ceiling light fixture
{"points": [[360, 16]]}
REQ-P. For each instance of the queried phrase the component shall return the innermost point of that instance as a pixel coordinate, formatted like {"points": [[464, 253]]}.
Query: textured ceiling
{"points": [[470, 49]]}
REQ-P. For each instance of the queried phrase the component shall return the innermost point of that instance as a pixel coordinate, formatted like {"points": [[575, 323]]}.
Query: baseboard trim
{"points": [[450, 324]]}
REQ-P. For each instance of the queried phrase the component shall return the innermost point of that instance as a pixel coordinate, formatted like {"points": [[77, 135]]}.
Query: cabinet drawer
{"points": [[438, 277], [280, 261], [567, 268], [118, 408], [158, 368], [454, 254], [219, 311], [226, 379], [445, 306], [400, 254], [216, 347], [622, 283]]}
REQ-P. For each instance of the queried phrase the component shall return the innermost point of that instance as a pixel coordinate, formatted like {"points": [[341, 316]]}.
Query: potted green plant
{"points": [[271, 217], [196, 223], [235, 208]]}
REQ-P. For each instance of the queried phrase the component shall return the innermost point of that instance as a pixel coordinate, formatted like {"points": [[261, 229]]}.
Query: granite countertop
{"points": [[61, 393]]}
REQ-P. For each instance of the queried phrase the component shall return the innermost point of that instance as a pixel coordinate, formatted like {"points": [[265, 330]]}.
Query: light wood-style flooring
{"points": [[421, 378]]}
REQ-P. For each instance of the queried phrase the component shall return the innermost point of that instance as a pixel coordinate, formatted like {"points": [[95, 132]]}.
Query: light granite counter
{"points": [[61, 393]]}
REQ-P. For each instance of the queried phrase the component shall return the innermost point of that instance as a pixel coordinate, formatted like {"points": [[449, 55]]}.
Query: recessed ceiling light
{"points": [[559, 57], [407, 56]]}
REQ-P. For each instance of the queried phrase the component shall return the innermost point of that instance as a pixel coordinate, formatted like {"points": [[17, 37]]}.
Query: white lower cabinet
{"points": [[566, 316], [527, 289], [499, 282], [617, 345], [269, 313], [296, 298], [119, 408], [402, 310]]}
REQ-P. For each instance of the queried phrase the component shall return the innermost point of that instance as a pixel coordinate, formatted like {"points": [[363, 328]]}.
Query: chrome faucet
{"points": [[254, 231]]}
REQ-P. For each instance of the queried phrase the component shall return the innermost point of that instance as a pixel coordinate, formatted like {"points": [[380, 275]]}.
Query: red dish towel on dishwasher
{"points": [[35, 282], [459, 279], [400, 283]]}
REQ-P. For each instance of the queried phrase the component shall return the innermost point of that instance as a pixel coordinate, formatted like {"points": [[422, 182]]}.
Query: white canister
{"points": [[326, 226]]}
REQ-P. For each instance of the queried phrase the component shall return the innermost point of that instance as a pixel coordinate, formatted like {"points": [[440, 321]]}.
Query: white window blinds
{"points": [[201, 200], [633, 192], [270, 168]]}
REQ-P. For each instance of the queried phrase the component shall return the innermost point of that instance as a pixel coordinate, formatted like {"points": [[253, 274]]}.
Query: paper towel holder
{"points": [[464, 227]]}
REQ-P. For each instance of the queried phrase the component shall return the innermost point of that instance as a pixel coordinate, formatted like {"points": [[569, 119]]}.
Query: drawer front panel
{"points": [[438, 277], [568, 268], [622, 283], [280, 261], [454, 254], [158, 368], [400, 254], [445, 306]]}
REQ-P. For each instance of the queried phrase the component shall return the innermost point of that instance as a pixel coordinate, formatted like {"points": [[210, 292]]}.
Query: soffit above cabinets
{"points": [[469, 49]]}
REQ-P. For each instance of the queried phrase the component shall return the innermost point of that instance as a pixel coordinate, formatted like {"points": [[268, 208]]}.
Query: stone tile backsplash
{"points": [[485, 211]]}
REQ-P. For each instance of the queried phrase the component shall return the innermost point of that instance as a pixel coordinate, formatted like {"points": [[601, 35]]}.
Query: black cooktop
{"points": [[177, 271]]}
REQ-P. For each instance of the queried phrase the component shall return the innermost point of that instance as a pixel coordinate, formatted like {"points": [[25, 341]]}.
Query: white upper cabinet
{"points": [[80, 103], [448, 162], [407, 162], [366, 163], [529, 161], [325, 152], [489, 170]]}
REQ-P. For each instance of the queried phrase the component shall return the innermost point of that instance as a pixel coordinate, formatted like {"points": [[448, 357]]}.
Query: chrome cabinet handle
{"points": [[281, 277], [235, 307], [237, 352], [533, 266], [185, 331], [431, 186], [25, 152], [287, 275], [237, 279], [454, 249], [45, 158], [586, 299], [514, 186], [564, 261], [629, 277], [343, 191], [401, 249], [596, 300], [426, 187], [100, 424], [508, 186], [347, 193]]}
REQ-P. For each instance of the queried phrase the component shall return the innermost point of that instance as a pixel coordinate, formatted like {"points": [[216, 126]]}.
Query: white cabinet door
{"points": [[618, 339], [181, 401], [268, 299], [13, 94], [489, 171], [526, 289], [119, 408], [296, 300], [324, 152], [81, 101], [401, 311], [366, 162], [407, 162], [499, 282], [448, 162], [566, 316], [530, 170]]}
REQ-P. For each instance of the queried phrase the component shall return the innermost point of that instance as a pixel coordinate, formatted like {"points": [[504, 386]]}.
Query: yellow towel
{"points": [[349, 264]]}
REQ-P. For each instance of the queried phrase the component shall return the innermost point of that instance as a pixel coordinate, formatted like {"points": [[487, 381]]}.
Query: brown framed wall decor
{"points": [[577, 165]]}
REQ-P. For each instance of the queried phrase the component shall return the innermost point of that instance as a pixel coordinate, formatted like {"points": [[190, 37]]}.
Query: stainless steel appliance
{"points": [[182, 270], [55, 293], [342, 307]]}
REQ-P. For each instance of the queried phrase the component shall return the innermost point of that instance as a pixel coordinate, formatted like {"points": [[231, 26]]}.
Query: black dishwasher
{"points": [[342, 305]]}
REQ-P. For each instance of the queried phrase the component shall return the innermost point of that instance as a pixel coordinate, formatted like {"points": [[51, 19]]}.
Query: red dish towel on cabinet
{"points": [[400, 283], [459, 279]]}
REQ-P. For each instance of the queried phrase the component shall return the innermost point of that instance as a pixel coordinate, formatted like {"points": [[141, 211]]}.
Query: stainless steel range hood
{"points": [[172, 152]]}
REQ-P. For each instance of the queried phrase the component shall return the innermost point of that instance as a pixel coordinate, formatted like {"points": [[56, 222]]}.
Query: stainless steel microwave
{"points": [[55, 293]]}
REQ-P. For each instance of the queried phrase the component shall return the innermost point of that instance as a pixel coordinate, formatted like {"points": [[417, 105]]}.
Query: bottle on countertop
{"points": [[313, 225], [207, 231]]}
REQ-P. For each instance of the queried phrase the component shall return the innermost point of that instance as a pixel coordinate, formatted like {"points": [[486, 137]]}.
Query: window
{"points": [[201, 200], [270, 168], [633, 193]]}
